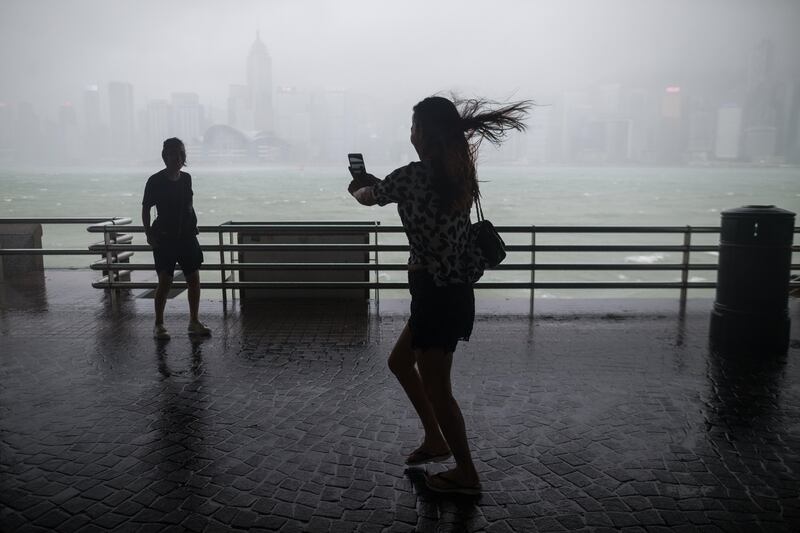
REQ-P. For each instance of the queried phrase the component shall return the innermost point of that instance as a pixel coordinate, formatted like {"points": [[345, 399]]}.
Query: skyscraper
{"points": [[672, 131], [27, 133], [729, 132], [761, 106], [239, 115], [6, 132], [67, 145], [293, 121], [158, 123], [187, 117], [91, 117], [120, 114], [259, 85]]}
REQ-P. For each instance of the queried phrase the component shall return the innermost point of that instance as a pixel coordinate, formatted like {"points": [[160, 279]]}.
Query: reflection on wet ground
{"points": [[605, 415]]}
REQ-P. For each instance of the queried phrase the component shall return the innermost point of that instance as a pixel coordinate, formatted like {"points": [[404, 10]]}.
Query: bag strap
{"points": [[181, 209], [479, 209]]}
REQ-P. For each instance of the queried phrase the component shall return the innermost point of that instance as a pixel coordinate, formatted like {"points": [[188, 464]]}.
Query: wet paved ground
{"points": [[611, 418]]}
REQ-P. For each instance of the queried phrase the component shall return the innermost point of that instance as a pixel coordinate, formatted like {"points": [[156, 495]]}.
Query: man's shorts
{"points": [[185, 252]]}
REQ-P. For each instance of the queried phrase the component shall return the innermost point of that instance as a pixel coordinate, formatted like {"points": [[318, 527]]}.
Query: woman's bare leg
{"points": [[160, 297], [193, 286], [401, 363], [434, 368]]}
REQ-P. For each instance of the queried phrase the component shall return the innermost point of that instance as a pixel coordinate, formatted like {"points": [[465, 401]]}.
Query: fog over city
{"points": [[270, 82]]}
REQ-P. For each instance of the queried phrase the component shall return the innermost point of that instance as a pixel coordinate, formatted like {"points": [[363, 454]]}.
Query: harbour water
{"points": [[675, 196]]}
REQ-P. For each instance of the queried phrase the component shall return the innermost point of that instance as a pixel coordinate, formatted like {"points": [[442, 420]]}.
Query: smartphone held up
{"points": [[357, 168]]}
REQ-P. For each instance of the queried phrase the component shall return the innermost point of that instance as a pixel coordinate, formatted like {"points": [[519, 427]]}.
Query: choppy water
{"points": [[512, 196]]}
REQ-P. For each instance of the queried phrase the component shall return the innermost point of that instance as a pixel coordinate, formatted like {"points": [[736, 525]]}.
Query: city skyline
{"points": [[742, 107]]}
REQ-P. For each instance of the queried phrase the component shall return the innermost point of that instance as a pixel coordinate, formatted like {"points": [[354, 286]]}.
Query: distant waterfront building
{"points": [[6, 131], [760, 143], [613, 125], [608, 100], [672, 128], [187, 117], [333, 130], [226, 144], [702, 125], [792, 129], [642, 111], [573, 131], [761, 106], [223, 144], [68, 146], [158, 123], [293, 121], [94, 138], [239, 115], [728, 132], [538, 149], [259, 85], [27, 133], [121, 119]]}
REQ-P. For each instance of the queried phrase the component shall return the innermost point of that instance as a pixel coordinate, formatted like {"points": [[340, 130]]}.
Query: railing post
{"points": [[110, 277], [687, 242], [377, 272], [222, 269], [533, 265], [231, 259]]}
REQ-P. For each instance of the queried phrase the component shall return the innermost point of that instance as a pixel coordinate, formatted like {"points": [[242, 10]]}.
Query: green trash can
{"points": [[751, 308]]}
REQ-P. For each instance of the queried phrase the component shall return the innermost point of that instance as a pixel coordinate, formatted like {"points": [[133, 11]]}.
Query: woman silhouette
{"points": [[173, 235], [434, 197]]}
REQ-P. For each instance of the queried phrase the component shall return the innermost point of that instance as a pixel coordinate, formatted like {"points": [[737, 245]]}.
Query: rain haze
{"points": [[357, 67]]}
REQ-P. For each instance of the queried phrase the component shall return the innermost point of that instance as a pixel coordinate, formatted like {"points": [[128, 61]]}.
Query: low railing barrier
{"points": [[117, 248], [375, 248]]}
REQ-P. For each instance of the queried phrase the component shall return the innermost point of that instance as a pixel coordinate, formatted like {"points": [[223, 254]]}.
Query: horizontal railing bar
{"points": [[47, 251], [606, 229], [265, 247], [118, 263], [368, 228], [102, 265], [120, 221], [122, 256], [56, 220], [404, 247], [299, 223], [103, 283], [100, 248], [507, 228]]}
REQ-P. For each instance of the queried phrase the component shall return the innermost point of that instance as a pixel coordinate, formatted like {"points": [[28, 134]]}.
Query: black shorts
{"points": [[185, 252], [440, 316]]}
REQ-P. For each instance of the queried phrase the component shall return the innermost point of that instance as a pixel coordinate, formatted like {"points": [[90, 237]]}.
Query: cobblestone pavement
{"points": [[288, 419]]}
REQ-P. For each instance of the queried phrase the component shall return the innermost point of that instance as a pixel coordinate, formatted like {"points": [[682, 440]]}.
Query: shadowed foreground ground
{"points": [[615, 417]]}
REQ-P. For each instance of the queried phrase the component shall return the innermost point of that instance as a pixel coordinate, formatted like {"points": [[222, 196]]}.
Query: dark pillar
{"points": [[751, 311]]}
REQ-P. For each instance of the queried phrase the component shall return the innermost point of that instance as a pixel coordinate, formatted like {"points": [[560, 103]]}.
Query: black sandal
{"points": [[421, 457], [439, 483]]}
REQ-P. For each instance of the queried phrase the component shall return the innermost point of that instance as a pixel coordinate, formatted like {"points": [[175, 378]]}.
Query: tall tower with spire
{"points": [[259, 85]]}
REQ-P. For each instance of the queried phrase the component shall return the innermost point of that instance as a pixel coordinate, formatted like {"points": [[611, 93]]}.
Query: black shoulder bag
{"points": [[489, 243]]}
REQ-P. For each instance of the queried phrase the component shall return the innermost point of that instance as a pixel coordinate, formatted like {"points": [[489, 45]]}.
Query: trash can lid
{"points": [[758, 211]]}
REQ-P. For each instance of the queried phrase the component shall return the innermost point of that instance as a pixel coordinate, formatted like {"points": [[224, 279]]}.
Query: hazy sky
{"points": [[51, 49]]}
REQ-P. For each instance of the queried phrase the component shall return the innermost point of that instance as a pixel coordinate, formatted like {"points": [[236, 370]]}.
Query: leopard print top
{"points": [[440, 241]]}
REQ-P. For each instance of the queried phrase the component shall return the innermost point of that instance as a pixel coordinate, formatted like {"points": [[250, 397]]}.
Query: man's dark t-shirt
{"points": [[173, 200]]}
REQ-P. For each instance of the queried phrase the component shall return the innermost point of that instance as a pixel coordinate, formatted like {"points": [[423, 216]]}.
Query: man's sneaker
{"points": [[198, 328], [160, 332]]}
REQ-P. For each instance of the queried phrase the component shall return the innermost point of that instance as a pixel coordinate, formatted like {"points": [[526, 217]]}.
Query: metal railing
{"points": [[228, 282], [114, 221], [117, 248], [110, 237]]}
